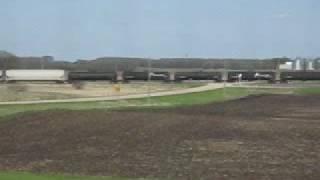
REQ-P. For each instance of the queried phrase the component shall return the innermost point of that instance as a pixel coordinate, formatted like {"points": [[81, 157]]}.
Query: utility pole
{"points": [[224, 81], [149, 79]]}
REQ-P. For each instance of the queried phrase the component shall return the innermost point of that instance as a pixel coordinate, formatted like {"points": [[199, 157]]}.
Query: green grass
{"points": [[166, 101], [30, 176], [155, 102], [308, 91]]}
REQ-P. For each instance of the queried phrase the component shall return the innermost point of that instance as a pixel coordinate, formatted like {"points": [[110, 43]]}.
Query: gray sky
{"points": [[73, 29]]}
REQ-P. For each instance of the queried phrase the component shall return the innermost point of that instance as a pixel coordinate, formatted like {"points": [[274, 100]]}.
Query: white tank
{"points": [[36, 75], [310, 65], [298, 65]]}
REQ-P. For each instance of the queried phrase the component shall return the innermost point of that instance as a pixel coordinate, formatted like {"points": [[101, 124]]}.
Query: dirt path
{"points": [[210, 86]]}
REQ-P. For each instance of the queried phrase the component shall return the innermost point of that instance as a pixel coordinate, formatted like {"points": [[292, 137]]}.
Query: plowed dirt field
{"points": [[258, 137]]}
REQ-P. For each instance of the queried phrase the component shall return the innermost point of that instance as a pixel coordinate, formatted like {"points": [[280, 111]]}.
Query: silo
{"points": [[310, 65], [297, 65], [316, 64]]}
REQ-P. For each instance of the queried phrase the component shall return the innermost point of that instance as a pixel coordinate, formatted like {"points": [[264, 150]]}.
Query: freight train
{"points": [[66, 76]]}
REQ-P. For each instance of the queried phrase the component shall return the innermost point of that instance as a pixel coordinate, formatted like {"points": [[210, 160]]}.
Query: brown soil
{"points": [[259, 137]]}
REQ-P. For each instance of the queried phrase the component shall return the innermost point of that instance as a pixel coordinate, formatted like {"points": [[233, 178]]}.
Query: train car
{"points": [[244, 75], [36, 75], [198, 76], [249, 76], [91, 76], [136, 76], [1, 75], [300, 75], [263, 76], [159, 76]]}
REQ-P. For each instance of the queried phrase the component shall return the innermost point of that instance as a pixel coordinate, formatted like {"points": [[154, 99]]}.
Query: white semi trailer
{"points": [[37, 75]]}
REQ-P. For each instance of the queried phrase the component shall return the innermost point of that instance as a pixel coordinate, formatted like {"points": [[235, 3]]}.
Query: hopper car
{"points": [[91, 76], [300, 75]]}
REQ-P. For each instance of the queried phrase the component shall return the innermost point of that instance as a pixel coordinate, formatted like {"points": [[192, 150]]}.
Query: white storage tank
{"points": [[310, 65], [36, 75], [298, 65]]}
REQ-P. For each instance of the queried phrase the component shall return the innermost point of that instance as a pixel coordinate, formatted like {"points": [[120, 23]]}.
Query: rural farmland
{"points": [[159, 90], [240, 138]]}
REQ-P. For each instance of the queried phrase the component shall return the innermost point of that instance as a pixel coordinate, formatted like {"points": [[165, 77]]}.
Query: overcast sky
{"points": [[74, 29]]}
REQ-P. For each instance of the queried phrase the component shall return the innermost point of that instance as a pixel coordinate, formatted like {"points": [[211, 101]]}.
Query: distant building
{"points": [[287, 66], [308, 64], [316, 64]]}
